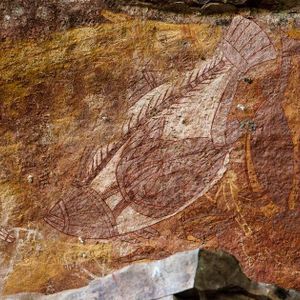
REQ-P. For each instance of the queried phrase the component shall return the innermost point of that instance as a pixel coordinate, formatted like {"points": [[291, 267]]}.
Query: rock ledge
{"points": [[197, 274]]}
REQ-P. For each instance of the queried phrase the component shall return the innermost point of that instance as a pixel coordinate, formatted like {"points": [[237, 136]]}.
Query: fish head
{"points": [[82, 213], [57, 217]]}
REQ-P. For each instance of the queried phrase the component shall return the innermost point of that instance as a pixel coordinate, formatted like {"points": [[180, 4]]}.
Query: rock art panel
{"points": [[132, 139], [158, 167]]}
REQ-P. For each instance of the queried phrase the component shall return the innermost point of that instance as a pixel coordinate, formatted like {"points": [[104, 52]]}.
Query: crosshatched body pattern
{"points": [[6, 236], [176, 144]]}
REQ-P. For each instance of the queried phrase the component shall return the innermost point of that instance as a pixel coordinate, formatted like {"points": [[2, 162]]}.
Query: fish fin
{"points": [[163, 96], [93, 160], [143, 80]]}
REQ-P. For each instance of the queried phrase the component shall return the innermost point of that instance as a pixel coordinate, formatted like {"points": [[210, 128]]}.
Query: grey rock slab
{"points": [[170, 297], [150, 280], [207, 274]]}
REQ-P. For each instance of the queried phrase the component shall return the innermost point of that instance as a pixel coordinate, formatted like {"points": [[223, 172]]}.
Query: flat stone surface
{"points": [[185, 275]]}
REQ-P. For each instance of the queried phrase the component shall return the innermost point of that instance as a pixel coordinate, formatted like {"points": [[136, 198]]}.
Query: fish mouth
{"points": [[58, 217]]}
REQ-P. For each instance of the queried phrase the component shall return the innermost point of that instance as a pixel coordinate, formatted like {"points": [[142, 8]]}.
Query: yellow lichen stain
{"points": [[294, 32], [9, 149], [10, 192], [270, 210], [231, 198], [193, 239], [45, 260], [115, 17], [105, 43]]}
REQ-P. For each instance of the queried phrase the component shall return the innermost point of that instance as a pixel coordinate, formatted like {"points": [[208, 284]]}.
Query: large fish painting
{"points": [[176, 146]]}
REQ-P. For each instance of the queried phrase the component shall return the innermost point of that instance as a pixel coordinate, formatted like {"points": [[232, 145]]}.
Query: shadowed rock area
{"points": [[25, 18], [203, 5], [191, 275]]}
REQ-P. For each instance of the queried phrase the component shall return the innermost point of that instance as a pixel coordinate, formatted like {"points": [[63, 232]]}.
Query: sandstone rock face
{"points": [[124, 138], [197, 274], [24, 18]]}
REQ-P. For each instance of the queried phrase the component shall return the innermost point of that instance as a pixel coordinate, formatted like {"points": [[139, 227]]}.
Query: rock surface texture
{"points": [[191, 275], [24, 18], [133, 130]]}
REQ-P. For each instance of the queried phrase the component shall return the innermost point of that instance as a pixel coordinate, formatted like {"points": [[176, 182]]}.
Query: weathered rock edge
{"points": [[41, 17], [185, 6], [206, 274]]}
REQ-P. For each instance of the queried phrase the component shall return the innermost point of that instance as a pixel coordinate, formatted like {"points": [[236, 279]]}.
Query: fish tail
{"points": [[246, 44]]}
